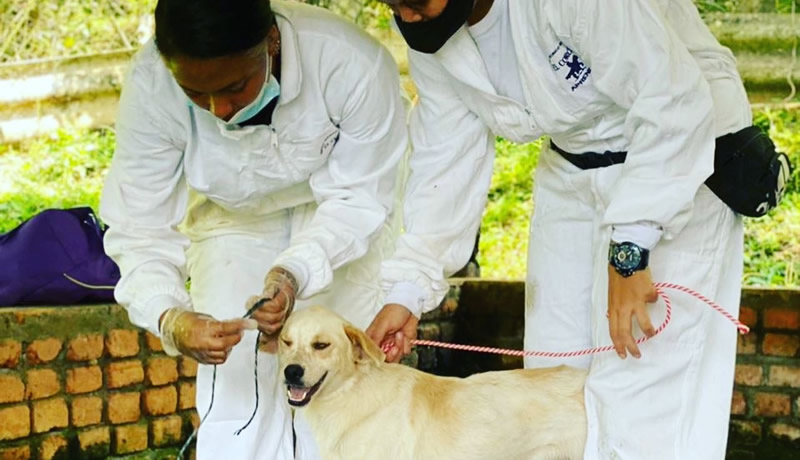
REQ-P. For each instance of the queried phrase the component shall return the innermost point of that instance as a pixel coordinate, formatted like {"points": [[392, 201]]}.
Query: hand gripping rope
{"points": [[590, 351]]}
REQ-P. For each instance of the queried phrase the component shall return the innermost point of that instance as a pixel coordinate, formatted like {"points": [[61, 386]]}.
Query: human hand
{"points": [[271, 308], [393, 329], [200, 336], [628, 297]]}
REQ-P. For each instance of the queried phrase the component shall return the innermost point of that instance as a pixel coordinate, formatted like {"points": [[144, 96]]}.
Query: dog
{"points": [[362, 408]]}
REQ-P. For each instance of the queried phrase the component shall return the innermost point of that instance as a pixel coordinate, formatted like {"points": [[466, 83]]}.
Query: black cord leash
{"points": [[214, 384]]}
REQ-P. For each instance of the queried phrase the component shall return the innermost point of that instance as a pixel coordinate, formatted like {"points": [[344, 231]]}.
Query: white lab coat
{"points": [[313, 192], [643, 76], [644, 89]]}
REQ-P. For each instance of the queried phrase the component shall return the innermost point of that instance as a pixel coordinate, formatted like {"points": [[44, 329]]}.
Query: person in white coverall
{"points": [[644, 77], [257, 150]]}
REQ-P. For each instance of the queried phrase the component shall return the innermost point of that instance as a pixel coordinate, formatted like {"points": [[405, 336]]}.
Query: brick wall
{"points": [[81, 382]]}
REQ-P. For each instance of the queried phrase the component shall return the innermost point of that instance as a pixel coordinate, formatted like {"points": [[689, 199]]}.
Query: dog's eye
{"points": [[320, 345], [286, 342]]}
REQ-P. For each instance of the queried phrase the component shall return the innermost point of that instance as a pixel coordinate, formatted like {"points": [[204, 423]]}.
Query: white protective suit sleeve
{"points": [[450, 173], [639, 62], [355, 189], [144, 199]]}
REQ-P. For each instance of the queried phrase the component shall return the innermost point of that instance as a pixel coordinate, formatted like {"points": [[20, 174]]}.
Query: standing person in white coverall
{"points": [[273, 135], [644, 77]]}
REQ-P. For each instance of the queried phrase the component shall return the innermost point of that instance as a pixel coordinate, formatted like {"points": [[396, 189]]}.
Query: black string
{"points": [[255, 409], [214, 383], [208, 411]]}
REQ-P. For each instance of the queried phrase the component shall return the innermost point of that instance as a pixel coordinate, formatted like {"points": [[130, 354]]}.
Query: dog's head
{"points": [[319, 351]]}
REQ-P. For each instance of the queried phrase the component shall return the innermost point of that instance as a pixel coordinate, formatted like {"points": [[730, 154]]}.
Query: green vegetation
{"points": [[67, 170], [61, 171]]}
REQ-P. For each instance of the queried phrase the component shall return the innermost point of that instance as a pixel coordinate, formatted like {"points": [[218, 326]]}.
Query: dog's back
{"points": [[405, 414], [519, 414]]}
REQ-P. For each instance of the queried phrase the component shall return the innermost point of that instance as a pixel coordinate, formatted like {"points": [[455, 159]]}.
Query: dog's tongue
{"points": [[297, 393]]}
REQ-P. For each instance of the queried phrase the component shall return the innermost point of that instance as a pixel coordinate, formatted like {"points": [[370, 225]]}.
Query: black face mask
{"points": [[429, 36]]}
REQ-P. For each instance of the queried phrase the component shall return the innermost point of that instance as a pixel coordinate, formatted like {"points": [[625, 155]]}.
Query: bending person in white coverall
{"points": [[638, 76], [269, 133]]}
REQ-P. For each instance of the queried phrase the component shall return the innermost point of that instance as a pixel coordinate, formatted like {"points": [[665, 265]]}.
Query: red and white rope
{"points": [[589, 351]]}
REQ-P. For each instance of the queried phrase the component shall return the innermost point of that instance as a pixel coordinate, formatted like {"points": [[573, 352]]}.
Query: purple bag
{"points": [[56, 258]]}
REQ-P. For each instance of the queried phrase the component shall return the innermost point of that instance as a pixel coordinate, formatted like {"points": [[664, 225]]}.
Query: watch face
{"points": [[626, 256]]}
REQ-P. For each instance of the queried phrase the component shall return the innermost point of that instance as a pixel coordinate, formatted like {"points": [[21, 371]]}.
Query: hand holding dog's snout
{"points": [[393, 329], [628, 298]]}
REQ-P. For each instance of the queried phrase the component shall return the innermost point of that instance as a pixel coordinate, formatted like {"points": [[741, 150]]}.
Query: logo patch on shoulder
{"points": [[566, 63]]}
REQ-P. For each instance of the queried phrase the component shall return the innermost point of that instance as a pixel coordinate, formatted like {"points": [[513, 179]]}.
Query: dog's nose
{"points": [[294, 373]]}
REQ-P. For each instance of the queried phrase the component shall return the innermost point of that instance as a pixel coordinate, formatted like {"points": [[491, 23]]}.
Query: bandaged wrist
{"points": [[170, 323]]}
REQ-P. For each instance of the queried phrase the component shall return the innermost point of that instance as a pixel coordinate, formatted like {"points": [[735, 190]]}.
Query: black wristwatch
{"points": [[627, 258]]}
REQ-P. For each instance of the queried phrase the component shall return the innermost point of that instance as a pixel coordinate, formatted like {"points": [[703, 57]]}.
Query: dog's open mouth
{"points": [[299, 395]]}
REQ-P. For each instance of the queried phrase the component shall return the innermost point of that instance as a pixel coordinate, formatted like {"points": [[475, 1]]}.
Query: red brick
{"points": [[187, 394], [11, 388], [153, 342], [130, 438], [748, 374], [166, 430], [15, 422], [123, 373], [785, 431], [86, 410], [96, 442], [781, 344], [42, 383], [43, 351], [784, 376], [10, 351], [85, 348], [52, 447], [747, 344], [15, 453], [772, 404], [160, 401], [123, 343], [49, 414], [161, 371], [782, 318], [738, 403], [188, 367], [84, 379], [124, 408], [748, 316]]}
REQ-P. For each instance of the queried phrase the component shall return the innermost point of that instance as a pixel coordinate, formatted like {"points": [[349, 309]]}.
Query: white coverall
{"points": [[312, 192], [642, 76]]}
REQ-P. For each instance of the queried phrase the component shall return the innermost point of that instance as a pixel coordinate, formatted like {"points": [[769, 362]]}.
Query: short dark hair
{"points": [[211, 28]]}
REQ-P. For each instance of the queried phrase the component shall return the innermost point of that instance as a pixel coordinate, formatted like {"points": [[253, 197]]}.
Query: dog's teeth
{"points": [[297, 394]]}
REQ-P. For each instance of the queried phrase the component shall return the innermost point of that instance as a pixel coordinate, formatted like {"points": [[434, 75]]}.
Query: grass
{"points": [[67, 169], [60, 171]]}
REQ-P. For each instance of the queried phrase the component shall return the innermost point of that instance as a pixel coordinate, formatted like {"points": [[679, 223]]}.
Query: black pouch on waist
{"points": [[749, 174]]}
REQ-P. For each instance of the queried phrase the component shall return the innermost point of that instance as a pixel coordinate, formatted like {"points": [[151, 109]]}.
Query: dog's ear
{"points": [[364, 349]]}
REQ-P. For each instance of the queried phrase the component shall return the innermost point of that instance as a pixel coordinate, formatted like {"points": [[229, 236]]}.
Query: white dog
{"points": [[361, 408]]}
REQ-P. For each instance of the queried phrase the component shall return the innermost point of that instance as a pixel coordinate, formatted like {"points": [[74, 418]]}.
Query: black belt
{"points": [[591, 160], [750, 176]]}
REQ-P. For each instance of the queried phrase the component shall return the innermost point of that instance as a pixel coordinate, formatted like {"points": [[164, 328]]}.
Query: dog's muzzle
{"points": [[299, 395]]}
